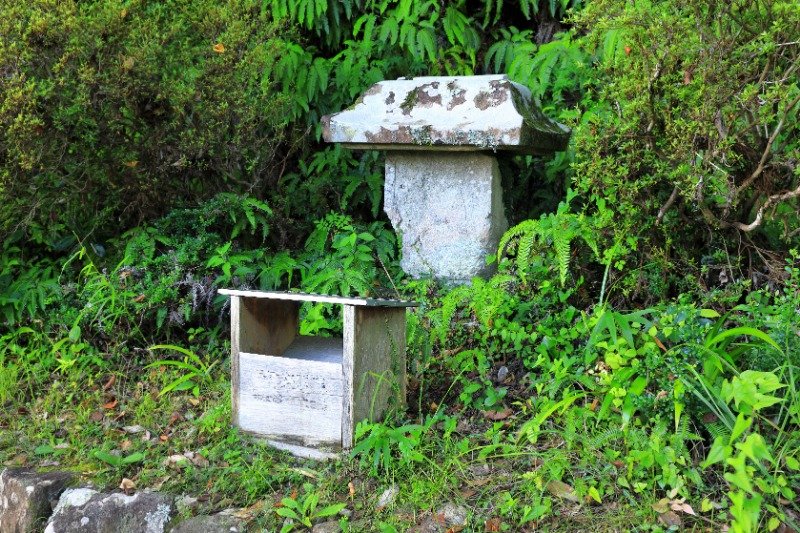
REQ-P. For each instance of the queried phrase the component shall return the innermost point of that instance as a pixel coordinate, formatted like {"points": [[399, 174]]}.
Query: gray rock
{"points": [[387, 497], [447, 112], [86, 510], [217, 523], [27, 498], [448, 208], [454, 515], [331, 526]]}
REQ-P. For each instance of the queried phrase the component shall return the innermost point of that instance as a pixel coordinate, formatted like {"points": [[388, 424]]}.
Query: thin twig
{"points": [[666, 206]]}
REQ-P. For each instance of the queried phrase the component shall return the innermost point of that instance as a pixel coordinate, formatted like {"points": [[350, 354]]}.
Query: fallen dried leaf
{"points": [[125, 445], [110, 405], [127, 486], [468, 493], [594, 404], [219, 48], [492, 525], [661, 506], [133, 429], [110, 383], [559, 489], [307, 472], [200, 461], [670, 519], [351, 489], [17, 460], [387, 497], [160, 483], [176, 460], [174, 417], [498, 415], [683, 507], [248, 513], [96, 416], [194, 401]]}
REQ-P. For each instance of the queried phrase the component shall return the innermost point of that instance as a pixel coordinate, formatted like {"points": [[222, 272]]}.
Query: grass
{"points": [[461, 457]]}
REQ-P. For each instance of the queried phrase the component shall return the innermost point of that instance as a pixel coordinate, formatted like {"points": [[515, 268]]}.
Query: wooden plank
{"points": [[236, 303], [320, 298], [299, 400], [303, 451], [324, 349], [374, 365]]}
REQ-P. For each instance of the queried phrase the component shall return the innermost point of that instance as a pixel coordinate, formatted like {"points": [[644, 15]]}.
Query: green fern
{"points": [[557, 230], [561, 244]]}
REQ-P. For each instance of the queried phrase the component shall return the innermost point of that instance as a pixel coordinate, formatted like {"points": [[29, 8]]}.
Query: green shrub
{"points": [[689, 133], [111, 112]]}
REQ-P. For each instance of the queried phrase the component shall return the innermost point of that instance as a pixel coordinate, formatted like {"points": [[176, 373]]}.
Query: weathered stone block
{"points": [[218, 523], [27, 498], [86, 510], [448, 208], [446, 112]]}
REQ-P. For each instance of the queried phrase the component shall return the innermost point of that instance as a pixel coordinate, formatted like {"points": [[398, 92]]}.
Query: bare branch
{"points": [[762, 162], [667, 205], [782, 197]]}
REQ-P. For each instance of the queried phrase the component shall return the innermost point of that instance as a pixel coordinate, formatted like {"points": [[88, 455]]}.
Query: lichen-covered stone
{"points": [[218, 523], [86, 510], [27, 498], [448, 209], [446, 113]]}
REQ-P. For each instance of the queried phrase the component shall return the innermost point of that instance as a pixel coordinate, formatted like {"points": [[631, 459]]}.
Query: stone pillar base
{"points": [[448, 209]]}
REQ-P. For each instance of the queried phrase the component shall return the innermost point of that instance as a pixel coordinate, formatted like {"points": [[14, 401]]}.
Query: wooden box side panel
{"points": [[267, 326], [374, 364], [292, 400]]}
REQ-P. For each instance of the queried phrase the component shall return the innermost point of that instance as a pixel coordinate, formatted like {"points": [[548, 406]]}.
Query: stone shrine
{"points": [[442, 189]]}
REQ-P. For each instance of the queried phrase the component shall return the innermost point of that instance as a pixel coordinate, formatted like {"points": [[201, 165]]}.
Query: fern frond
{"points": [[561, 243], [524, 227]]}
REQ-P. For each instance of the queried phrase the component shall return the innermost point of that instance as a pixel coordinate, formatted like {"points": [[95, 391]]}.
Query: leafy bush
{"points": [[112, 112], [689, 133]]}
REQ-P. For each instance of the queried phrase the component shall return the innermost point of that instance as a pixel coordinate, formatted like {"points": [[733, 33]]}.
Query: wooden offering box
{"points": [[305, 394]]}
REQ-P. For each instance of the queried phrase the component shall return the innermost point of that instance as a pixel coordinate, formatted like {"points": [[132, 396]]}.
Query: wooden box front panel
{"points": [[295, 400]]}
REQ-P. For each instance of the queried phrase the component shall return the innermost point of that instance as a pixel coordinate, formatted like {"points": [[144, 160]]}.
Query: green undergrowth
{"points": [[529, 411]]}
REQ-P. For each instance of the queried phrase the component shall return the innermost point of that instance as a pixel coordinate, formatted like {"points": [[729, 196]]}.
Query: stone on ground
{"points": [[218, 523], [86, 510], [331, 526], [27, 498]]}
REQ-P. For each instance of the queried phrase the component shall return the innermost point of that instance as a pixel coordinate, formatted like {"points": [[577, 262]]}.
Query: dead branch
{"points": [[762, 162], [667, 205], [775, 198]]}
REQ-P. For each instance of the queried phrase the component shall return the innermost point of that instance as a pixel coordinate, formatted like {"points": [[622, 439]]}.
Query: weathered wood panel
{"points": [[293, 399], [374, 364], [236, 309]]}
